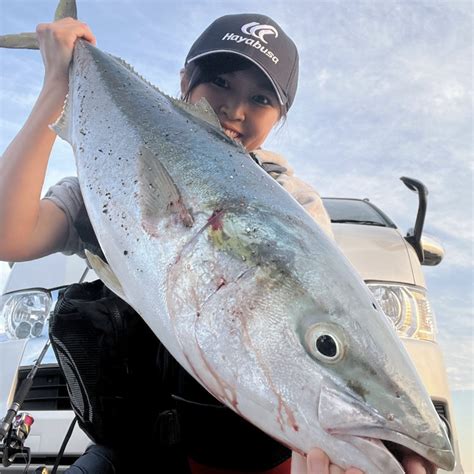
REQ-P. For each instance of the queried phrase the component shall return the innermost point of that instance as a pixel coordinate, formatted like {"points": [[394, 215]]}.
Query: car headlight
{"points": [[408, 308], [23, 314]]}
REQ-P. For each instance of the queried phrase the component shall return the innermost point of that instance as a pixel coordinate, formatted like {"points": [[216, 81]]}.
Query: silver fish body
{"points": [[236, 279]]}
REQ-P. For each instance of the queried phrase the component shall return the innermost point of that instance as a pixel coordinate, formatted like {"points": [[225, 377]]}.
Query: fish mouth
{"points": [[388, 454], [384, 440]]}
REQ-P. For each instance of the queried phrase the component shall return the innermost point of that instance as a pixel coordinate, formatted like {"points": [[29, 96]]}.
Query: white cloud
{"points": [[24, 100]]}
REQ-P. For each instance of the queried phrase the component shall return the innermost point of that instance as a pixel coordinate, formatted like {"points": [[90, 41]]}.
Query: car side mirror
{"points": [[413, 237], [433, 251]]}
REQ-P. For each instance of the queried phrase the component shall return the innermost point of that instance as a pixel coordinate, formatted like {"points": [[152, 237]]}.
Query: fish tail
{"points": [[65, 8]]}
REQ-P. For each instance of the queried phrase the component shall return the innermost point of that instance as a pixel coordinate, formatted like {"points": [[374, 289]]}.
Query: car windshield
{"points": [[355, 211]]}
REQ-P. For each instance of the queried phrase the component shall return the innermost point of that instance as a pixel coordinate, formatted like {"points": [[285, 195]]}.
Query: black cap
{"points": [[259, 39]]}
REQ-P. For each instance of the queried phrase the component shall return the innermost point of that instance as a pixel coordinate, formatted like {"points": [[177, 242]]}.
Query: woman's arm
{"points": [[30, 227]]}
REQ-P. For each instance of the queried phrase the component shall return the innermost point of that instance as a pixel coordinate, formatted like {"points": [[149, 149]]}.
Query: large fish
{"points": [[235, 278]]}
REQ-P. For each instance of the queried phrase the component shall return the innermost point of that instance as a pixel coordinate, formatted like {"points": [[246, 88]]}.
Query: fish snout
{"points": [[379, 434]]}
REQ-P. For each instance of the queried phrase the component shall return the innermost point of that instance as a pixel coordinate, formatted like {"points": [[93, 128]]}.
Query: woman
{"points": [[248, 76]]}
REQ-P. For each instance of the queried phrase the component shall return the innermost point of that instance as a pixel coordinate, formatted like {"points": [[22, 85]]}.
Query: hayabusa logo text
{"points": [[259, 31]]}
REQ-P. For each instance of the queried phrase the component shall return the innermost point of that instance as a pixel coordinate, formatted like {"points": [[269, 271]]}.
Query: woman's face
{"points": [[245, 103]]}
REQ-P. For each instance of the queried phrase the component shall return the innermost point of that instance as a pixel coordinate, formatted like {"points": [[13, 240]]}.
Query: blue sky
{"points": [[385, 91]]}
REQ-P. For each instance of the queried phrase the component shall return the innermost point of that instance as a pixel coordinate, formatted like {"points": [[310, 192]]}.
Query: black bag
{"points": [[108, 356]]}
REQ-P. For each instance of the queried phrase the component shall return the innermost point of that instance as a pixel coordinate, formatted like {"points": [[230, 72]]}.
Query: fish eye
{"points": [[325, 343]]}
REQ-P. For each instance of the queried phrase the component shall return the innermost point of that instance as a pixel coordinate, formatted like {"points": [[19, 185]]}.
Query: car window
{"points": [[355, 211]]}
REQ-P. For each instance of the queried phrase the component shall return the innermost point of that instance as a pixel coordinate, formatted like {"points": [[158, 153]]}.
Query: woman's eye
{"points": [[220, 82], [262, 100]]}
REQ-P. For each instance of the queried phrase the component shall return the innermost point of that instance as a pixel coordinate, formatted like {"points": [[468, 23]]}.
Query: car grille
{"points": [[440, 408], [48, 392], [442, 411]]}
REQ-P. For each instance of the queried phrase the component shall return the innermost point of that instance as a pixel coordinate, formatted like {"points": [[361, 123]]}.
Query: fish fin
{"points": [[105, 273], [160, 196], [201, 110], [62, 125], [19, 41], [133, 70], [128, 66], [66, 8]]}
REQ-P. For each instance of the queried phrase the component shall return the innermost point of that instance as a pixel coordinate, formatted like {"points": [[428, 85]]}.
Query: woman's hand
{"points": [[56, 41], [317, 462]]}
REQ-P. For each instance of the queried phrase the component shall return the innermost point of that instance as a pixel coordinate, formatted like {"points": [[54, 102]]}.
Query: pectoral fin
{"points": [[106, 274], [159, 196]]}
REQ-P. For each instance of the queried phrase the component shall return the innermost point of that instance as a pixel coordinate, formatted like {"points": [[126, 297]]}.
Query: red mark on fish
{"points": [[216, 221]]}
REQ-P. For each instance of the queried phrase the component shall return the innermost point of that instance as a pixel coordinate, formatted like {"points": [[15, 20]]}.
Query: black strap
{"points": [[63, 446], [273, 169]]}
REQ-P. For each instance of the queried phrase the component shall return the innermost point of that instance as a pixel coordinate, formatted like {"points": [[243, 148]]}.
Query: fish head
{"points": [[369, 391], [305, 354]]}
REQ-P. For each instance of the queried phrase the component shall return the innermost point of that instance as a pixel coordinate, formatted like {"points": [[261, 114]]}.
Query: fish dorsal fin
{"points": [[106, 274], [127, 65], [159, 196], [201, 110], [134, 71]]}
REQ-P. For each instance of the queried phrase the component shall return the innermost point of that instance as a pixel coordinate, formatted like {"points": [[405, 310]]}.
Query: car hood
{"points": [[379, 253], [53, 271]]}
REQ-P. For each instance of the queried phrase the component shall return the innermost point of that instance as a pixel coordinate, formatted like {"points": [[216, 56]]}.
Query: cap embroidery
{"points": [[251, 42], [259, 31]]}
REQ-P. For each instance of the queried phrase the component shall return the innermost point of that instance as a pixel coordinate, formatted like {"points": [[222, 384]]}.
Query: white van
{"points": [[389, 263]]}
